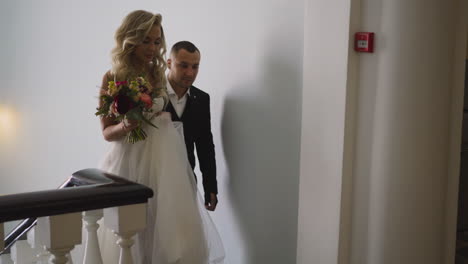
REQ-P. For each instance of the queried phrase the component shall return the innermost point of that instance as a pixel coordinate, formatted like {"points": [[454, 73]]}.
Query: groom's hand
{"points": [[211, 201]]}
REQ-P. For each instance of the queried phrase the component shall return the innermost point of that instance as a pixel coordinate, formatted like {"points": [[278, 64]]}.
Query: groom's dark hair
{"points": [[186, 45]]}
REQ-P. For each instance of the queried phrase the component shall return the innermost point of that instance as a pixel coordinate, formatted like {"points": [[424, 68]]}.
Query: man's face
{"points": [[183, 68]]}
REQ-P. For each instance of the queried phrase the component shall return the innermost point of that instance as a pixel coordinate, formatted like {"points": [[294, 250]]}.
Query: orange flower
{"points": [[147, 100]]}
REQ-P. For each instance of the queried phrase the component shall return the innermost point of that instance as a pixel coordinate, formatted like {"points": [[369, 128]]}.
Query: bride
{"points": [[179, 229]]}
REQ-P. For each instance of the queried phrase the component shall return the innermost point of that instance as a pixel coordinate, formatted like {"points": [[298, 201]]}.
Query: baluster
{"points": [[5, 259], [21, 252], [2, 236], [60, 234], [42, 255], [69, 257], [92, 254], [125, 222]]}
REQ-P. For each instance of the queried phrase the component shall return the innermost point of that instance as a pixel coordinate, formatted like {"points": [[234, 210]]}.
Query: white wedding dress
{"points": [[179, 229]]}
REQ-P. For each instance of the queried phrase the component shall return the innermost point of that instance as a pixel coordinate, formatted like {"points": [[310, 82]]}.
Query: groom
{"points": [[192, 106]]}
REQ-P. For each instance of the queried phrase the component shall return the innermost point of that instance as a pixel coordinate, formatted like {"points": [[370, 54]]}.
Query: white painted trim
{"points": [[352, 89], [324, 106]]}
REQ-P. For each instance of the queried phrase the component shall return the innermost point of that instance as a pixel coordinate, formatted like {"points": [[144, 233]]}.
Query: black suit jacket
{"points": [[197, 132]]}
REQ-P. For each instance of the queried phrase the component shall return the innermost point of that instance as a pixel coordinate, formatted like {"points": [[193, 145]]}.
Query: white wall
{"points": [[54, 54], [379, 153], [403, 132]]}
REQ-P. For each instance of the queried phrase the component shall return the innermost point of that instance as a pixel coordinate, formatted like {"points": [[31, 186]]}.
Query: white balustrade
{"points": [[125, 222], [21, 252], [60, 234], [52, 239], [92, 254], [42, 255], [2, 236], [6, 259], [70, 260]]}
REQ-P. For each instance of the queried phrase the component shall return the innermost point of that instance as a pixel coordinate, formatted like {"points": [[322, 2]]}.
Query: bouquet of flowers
{"points": [[132, 100]]}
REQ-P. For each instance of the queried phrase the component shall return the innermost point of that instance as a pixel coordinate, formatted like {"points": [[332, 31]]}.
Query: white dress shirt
{"points": [[178, 103]]}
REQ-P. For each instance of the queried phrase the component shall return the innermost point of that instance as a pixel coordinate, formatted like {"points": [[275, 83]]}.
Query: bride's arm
{"points": [[112, 130]]}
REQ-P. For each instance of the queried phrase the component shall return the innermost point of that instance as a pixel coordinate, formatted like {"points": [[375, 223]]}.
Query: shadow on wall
{"points": [[261, 139]]}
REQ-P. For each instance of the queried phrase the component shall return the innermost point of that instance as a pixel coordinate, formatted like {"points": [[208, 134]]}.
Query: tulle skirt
{"points": [[179, 228]]}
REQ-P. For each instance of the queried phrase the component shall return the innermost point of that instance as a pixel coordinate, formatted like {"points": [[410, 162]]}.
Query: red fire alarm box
{"points": [[364, 41]]}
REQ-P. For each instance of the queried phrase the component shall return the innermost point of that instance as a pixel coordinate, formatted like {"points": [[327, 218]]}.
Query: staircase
{"points": [[53, 224]]}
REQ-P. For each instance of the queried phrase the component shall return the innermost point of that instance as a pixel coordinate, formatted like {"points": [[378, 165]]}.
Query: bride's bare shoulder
{"points": [[108, 76]]}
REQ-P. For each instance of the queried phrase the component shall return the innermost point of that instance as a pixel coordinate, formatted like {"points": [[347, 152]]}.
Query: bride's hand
{"points": [[129, 125]]}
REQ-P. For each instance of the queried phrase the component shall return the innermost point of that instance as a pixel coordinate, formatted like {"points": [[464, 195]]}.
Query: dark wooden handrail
{"points": [[85, 190]]}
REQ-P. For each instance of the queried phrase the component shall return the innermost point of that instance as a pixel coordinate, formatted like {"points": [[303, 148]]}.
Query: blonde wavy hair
{"points": [[132, 32]]}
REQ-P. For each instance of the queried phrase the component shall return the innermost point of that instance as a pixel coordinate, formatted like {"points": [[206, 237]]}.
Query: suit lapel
{"points": [[170, 109]]}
